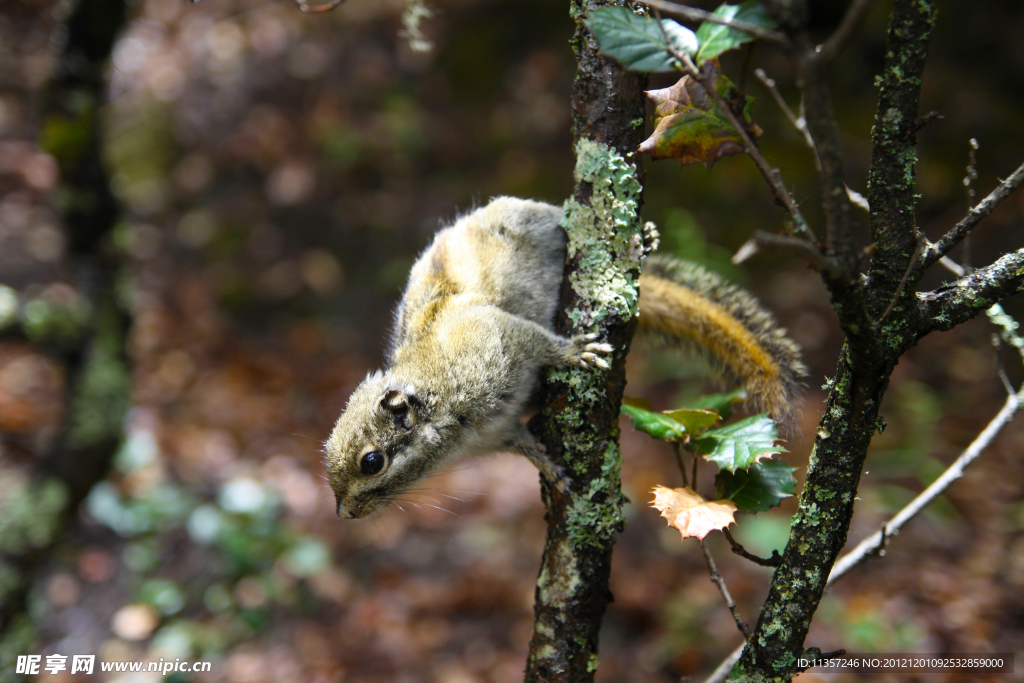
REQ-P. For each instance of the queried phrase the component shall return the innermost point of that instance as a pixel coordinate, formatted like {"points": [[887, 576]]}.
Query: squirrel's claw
{"points": [[588, 353], [587, 359]]}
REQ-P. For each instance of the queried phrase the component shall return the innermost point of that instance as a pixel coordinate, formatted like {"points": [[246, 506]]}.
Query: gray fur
{"points": [[475, 326]]}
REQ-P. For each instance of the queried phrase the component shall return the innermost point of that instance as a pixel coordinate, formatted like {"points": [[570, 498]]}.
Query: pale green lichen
{"points": [[597, 234], [603, 229], [1008, 326], [594, 517]]}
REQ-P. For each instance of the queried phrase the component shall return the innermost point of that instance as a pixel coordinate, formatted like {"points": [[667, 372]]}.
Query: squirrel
{"points": [[476, 326]]}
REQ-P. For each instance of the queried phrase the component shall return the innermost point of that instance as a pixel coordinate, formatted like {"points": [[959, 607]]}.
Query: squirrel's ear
{"points": [[401, 407]]}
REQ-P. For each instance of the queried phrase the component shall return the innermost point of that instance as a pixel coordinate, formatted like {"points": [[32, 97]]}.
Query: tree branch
{"points": [[821, 125], [948, 306], [867, 360], [774, 561], [771, 174], [893, 158], [842, 279], [799, 123], [875, 541], [786, 243], [952, 238]]}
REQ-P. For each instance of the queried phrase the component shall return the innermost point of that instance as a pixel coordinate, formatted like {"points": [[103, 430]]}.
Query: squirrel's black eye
{"points": [[372, 462]]}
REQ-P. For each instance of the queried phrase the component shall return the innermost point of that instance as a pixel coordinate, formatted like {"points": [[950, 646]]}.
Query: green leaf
{"points": [[714, 39], [741, 444], [720, 403], [689, 127], [637, 42], [758, 488], [694, 420], [658, 425]]}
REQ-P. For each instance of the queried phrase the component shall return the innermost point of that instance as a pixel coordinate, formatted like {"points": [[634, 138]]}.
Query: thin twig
{"points": [[771, 174], [774, 561], [317, 9], [682, 464], [725, 668], [694, 477], [712, 567], [851, 22], [802, 248], [870, 544], [716, 577], [997, 344], [800, 123], [952, 266], [946, 243], [694, 14], [918, 248]]}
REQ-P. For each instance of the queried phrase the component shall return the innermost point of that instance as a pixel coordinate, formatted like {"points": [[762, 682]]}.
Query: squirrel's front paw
{"points": [[587, 353]]}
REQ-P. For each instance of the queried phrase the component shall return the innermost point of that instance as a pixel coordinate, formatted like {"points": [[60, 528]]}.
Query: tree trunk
{"points": [[580, 409]]}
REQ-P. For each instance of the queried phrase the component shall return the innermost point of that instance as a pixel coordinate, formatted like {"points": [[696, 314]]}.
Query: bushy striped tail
{"points": [[684, 306]]}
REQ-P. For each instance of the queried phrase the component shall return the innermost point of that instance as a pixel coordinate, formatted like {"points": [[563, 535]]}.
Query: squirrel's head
{"points": [[380, 445]]}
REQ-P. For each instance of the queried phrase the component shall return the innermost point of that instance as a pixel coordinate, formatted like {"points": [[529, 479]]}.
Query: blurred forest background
{"points": [[275, 174]]}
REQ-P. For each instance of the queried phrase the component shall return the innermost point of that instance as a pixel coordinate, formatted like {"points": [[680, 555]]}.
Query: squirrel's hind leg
{"points": [[524, 443]]}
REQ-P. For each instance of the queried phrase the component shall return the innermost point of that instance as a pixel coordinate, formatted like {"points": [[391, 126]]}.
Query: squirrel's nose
{"points": [[343, 514]]}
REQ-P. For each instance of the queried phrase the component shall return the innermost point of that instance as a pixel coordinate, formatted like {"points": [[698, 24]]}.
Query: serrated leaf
{"points": [[691, 514], [741, 444], [758, 488], [720, 403], [694, 420], [637, 42], [714, 39], [658, 425], [689, 127]]}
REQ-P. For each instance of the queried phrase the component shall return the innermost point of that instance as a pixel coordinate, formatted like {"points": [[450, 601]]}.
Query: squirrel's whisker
{"points": [[443, 495], [470, 493]]}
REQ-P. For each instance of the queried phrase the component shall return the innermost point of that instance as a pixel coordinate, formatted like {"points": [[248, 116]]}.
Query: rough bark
{"points": [[579, 419], [821, 524]]}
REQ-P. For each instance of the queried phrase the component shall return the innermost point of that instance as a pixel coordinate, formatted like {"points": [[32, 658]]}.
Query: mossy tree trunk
{"points": [[579, 419], [880, 311]]}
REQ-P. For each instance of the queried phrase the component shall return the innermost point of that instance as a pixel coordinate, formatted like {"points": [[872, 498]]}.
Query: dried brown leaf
{"points": [[690, 513]]}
